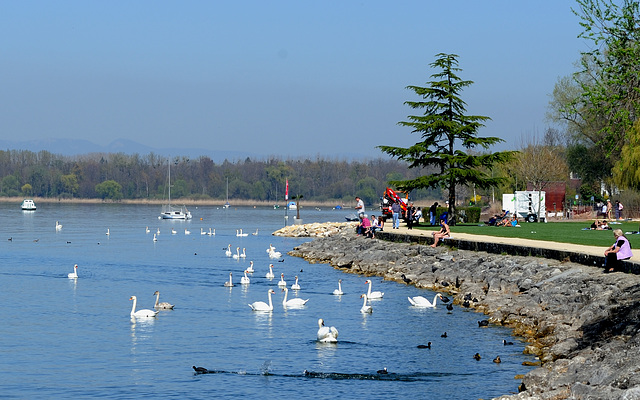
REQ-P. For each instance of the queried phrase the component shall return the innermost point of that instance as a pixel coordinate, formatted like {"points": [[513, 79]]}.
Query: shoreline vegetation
{"points": [[580, 324]]}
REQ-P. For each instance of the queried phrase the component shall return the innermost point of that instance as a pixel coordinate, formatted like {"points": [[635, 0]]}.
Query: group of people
{"points": [[367, 226], [598, 225], [611, 210]]}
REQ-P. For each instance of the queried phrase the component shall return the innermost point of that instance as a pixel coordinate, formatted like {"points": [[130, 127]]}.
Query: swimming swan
{"points": [[237, 255], [261, 305], [295, 286], [230, 282], [141, 313], [164, 305], [270, 274], [373, 295], [339, 291], [245, 279], [326, 334], [282, 282], [250, 269], [74, 274], [365, 309], [228, 252], [419, 301], [293, 303]]}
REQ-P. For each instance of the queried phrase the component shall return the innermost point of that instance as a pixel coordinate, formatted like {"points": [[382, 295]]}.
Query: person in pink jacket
{"points": [[619, 251]]}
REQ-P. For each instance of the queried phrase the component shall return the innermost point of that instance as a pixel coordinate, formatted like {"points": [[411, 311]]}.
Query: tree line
{"points": [[116, 176]]}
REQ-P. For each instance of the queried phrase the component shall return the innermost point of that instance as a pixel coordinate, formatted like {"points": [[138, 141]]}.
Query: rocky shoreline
{"points": [[581, 324]]}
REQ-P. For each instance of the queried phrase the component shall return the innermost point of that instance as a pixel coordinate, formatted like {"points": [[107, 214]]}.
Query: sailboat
{"points": [[227, 205], [169, 212]]}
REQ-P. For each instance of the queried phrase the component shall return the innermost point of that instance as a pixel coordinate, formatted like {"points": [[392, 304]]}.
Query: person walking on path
{"points": [[395, 213], [411, 210], [359, 207], [618, 209], [619, 251]]}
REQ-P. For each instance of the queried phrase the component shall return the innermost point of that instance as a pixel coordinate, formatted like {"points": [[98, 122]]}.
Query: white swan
{"points": [[245, 279], [244, 254], [74, 274], [230, 282], [365, 309], [255, 233], [271, 248], [228, 252], [237, 255], [158, 231], [326, 334], [261, 305], [275, 254], [270, 274], [173, 231], [164, 305], [295, 286], [202, 232], [419, 301], [187, 232], [250, 269], [211, 233], [339, 291], [243, 234], [108, 233], [373, 295], [282, 282], [293, 303], [147, 230], [58, 226], [141, 313], [155, 239]]}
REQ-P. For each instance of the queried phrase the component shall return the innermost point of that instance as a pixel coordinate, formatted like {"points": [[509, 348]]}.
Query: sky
{"points": [[273, 78]]}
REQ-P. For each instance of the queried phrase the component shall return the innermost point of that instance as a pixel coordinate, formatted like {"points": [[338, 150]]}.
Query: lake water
{"points": [[68, 338]]}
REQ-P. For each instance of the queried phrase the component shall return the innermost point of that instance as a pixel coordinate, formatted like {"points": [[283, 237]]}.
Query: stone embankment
{"points": [[316, 229], [581, 324]]}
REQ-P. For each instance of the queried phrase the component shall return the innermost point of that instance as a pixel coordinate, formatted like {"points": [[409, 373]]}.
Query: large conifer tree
{"points": [[448, 136]]}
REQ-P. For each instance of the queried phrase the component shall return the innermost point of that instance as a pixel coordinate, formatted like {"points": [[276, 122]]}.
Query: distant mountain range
{"points": [[72, 147]]}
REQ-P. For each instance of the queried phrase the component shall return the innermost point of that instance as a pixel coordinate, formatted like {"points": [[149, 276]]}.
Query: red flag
{"points": [[286, 192]]}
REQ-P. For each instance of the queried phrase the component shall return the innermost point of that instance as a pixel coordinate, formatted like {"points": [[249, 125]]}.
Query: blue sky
{"points": [[273, 78]]}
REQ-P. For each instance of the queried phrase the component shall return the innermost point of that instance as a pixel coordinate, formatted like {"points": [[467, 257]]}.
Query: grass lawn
{"points": [[563, 232]]}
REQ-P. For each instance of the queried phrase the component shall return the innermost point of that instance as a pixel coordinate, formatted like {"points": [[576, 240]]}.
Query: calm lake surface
{"points": [[64, 337]]}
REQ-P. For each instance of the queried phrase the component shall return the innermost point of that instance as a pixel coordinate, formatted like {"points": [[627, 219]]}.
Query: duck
{"points": [[74, 274], [228, 252], [373, 295], [200, 370], [424, 346], [261, 305], [405, 279], [497, 360], [141, 313], [419, 301], [338, 291], [245, 279], [164, 305], [229, 283], [505, 343], [296, 302], [295, 286], [270, 274], [449, 307], [326, 334], [237, 255], [484, 322], [282, 282], [365, 309], [477, 356], [383, 371], [250, 269], [444, 335]]}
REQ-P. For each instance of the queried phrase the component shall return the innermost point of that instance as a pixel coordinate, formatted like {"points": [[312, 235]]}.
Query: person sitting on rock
{"points": [[620, 250], [365, 227], [444, 232]]}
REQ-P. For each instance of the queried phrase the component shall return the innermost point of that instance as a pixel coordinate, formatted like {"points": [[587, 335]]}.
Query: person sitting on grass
{"points": [[444, 232], [619, 251]]}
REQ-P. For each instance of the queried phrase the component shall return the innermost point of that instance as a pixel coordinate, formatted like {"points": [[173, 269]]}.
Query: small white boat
{"points": [[292, 205], [170, 212], [28, 205]]}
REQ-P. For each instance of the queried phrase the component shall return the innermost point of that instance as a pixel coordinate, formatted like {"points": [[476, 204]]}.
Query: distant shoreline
{"points": [[178, 202]]}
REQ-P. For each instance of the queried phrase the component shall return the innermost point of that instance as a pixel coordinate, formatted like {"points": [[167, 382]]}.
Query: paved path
{"points": [[541, 244]]}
